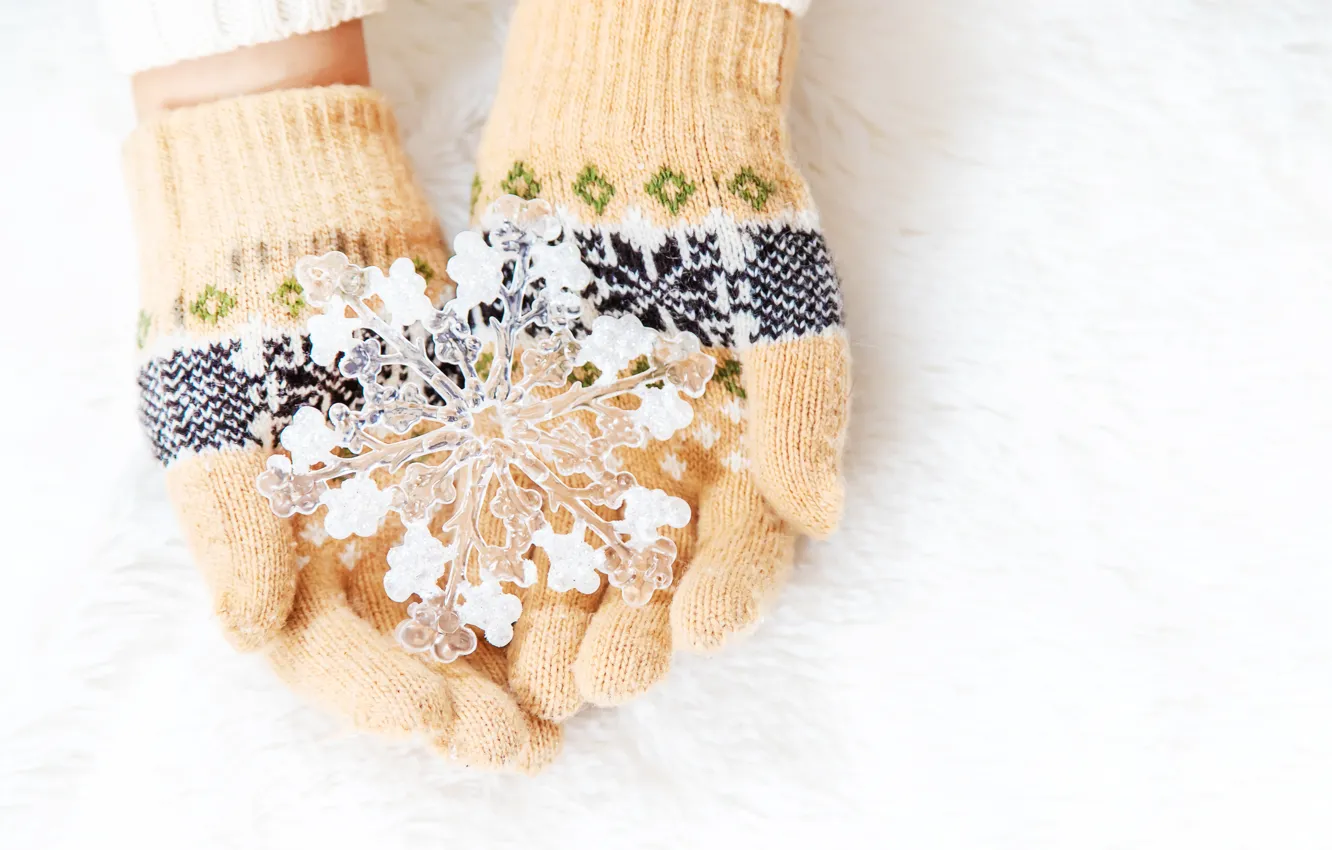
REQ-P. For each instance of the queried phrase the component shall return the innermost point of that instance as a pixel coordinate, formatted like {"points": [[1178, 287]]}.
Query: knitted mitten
{"points": [[228, 196], [657, 129]]}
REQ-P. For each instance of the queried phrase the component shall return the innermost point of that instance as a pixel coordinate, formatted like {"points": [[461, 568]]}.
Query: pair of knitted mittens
{"points": [[657, 130]]}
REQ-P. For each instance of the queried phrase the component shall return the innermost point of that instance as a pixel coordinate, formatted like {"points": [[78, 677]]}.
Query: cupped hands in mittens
{"points": [[667, 162], [228, 197]]}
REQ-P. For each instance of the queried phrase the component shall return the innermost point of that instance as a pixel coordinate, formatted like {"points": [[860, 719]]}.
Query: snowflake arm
{"points": [[662, 411], [403, 292], [357, 507], [330, 335], [574, 563]]}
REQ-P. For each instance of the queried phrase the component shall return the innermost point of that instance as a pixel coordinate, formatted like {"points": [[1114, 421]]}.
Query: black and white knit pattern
{"points": [[202, 398], [783, 287], [749, 284]]}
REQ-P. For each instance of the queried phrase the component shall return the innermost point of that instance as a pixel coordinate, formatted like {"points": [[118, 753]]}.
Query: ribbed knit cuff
{"points": [[229, 195], [143, 34], [671, 108]]}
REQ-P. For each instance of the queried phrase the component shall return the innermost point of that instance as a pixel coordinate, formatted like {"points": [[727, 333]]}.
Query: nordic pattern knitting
{"points": [[730, 286]]}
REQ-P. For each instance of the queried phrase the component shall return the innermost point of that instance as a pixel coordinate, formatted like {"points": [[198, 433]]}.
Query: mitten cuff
{"points": [[143, 34], [229, 195], [670, 110]]}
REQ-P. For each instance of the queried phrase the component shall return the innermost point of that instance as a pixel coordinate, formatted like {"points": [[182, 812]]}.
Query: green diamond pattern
{"points": [[751, 188], [521, 182], [212, 305], [593, 188], [727, 374], [672, 189], [290, 296], [423, 268]]}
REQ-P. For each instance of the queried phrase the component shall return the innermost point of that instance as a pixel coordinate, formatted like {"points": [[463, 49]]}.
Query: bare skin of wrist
{"points": [[325, 58]]}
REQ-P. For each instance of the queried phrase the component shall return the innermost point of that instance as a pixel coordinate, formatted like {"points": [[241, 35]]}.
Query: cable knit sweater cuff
{"points": [[143, 34]]}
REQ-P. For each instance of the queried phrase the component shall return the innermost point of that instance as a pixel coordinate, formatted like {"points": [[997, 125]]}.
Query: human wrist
{"points": [[323, 58]]}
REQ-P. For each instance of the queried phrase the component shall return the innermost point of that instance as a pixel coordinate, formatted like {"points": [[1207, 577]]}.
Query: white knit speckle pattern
{"points": [[143, 34]]}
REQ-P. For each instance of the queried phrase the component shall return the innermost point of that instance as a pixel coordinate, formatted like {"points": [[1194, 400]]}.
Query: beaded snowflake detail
{"points": [[502, 411]]}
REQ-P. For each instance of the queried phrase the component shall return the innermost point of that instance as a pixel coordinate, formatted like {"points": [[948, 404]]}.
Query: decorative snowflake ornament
{"points": [[488, 419]]}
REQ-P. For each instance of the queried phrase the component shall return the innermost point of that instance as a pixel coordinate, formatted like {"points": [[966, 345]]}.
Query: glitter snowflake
{"points": [[502, 411]]}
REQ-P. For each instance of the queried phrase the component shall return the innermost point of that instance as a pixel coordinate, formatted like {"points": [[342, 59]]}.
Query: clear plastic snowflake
{"points": [[489, 419]]}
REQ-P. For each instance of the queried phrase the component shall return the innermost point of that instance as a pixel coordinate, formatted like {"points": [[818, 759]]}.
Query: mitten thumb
{"points": [[798, 398]]}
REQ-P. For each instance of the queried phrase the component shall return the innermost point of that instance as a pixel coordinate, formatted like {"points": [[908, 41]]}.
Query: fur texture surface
{"points": [[1080, 595]]}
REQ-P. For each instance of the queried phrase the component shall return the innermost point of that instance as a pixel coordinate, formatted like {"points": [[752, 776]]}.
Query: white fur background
{"points": [[1081, 599]]}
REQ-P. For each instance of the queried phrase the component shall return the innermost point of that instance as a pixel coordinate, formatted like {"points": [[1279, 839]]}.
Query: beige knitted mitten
{"points": [[657, 129], [228, 196]]}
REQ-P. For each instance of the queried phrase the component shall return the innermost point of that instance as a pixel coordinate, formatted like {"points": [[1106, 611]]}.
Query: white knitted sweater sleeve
{"points": [[797, 7], [144, 34]]}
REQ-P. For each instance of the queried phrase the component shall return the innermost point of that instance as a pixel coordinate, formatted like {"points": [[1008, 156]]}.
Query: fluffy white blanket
{"points": [[1081, 597]]}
